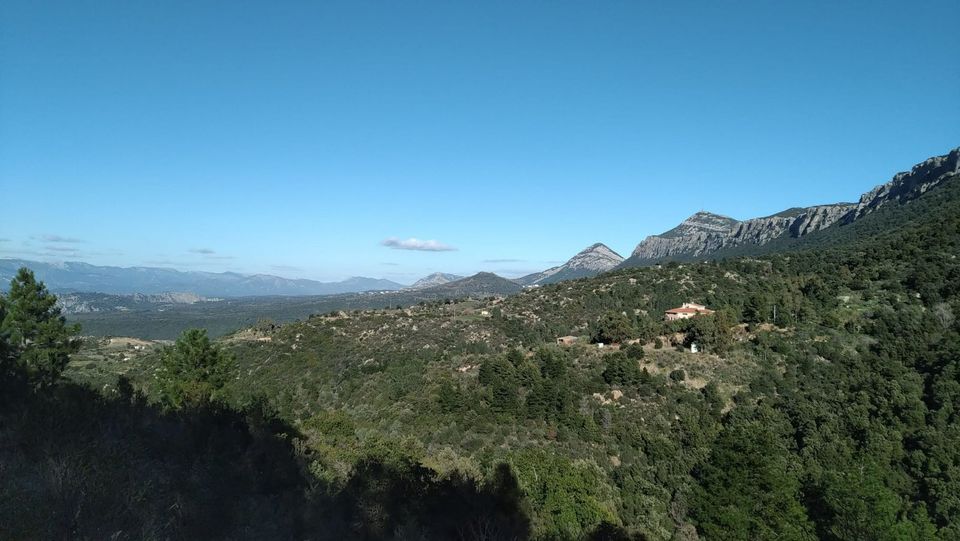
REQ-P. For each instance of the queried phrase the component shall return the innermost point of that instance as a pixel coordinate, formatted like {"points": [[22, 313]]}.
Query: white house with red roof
{"points": [[686, 311]]}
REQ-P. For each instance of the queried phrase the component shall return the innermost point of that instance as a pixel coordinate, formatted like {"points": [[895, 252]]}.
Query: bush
{"points": [[634, 351]]}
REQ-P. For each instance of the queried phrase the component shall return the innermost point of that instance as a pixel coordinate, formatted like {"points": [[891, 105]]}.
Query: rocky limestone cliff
{"points": [[908, 185], [705, 233]]}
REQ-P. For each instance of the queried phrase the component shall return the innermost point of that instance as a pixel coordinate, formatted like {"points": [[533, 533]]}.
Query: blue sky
{"points": [[294, 138]]}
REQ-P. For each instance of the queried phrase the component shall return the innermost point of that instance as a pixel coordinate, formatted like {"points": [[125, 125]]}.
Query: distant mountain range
{"points": [[83, 277], [163, 317]]}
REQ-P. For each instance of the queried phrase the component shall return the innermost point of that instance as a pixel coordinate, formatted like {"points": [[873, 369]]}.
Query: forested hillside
{"points": [[823, 405]]}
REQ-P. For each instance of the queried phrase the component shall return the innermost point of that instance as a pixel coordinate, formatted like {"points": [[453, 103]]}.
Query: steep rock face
{"points": [[705, 234], [697, 237], [590, 261], [817, 218], [908, 185]]}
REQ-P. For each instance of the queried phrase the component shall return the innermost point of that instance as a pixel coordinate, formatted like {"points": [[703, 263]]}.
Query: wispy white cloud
{"points": [[65, 249], [60, 239], [417, 245]]}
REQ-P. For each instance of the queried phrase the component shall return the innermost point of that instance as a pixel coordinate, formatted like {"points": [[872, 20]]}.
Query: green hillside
{"points": [[822, 405]]}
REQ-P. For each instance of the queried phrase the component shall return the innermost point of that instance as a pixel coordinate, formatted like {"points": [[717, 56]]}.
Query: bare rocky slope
{"points": [[590, 261], [711, 235]]}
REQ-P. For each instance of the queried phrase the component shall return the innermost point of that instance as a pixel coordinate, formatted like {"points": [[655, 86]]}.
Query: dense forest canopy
{"points": [[823, 404]]}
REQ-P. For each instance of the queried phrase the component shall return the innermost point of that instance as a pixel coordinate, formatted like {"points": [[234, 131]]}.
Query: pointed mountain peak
{"points": [[703, 216], [598, 257], [597, 247], [590, 261]]}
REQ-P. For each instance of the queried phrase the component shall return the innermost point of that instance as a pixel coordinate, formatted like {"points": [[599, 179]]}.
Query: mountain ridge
{"points": [[706, 234], [74, 276]]}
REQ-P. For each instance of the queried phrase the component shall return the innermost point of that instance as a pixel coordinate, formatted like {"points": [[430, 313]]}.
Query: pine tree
{"points": [[194, 371], [450, 397], [7, 354], [35, 329]]}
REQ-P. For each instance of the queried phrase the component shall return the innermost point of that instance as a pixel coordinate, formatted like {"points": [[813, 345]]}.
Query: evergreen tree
{"points": [[450, 397], [194, 371], [515, 356], [644, 328], [750, 486], [612, 327], [7, 356], [621, 370], [552, 363], [37, 333]]}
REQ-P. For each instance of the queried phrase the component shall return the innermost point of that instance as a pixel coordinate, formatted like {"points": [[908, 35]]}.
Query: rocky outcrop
{"points": [[590, 261], [706, 234]]}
